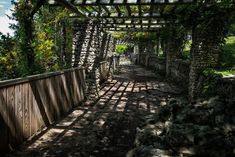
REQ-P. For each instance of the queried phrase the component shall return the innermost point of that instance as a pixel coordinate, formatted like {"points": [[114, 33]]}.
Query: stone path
{"points": [[108, 127]]}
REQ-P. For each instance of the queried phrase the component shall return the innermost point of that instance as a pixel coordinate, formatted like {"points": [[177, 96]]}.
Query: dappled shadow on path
{"points": [[108, 126]]}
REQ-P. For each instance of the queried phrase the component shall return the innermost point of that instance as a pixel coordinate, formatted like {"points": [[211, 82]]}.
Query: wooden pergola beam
{"points": [[131, 30], [128, 26], [124, 3], [85, 9], [124, 17], [121, 23], [70, 6], [106, 9], [112, 3]]}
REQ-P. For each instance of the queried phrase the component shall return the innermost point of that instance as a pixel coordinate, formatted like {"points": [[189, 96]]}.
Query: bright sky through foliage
{"points": [[5, 6]]}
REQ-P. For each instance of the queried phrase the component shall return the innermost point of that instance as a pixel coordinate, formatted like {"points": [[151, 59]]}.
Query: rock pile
{"points": [[206, 128]]}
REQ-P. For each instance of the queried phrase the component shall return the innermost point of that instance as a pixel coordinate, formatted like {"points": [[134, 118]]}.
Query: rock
{"points": [[150, 151]]}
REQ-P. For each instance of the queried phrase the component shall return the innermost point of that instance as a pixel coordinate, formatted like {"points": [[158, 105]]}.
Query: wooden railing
{"points": [[28, 105]]}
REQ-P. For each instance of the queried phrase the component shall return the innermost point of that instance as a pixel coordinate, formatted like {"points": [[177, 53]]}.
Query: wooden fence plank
{"points": [[65, 92], [75, 89], [3, 123], [49, 102], [26, 131], [68, 86], [59, 95], [33, 122], [11, 116], [40, 114], [41, 99], [19, 113]]}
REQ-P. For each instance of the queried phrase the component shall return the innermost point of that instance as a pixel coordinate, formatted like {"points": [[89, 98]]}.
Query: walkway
{"points": [[108, 127]]}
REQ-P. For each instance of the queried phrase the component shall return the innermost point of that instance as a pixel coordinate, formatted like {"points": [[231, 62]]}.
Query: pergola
{"points": [[122, 15]]}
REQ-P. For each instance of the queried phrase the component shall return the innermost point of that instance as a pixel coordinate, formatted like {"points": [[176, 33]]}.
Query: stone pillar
{"points": [[104, 43], [158, 45], [204, 54], [109, 51], [174, 45], [149, 50], [87, 53]]}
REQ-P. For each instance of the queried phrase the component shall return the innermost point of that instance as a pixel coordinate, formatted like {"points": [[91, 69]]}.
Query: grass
{"points": [[226, 72], [227, 57]]}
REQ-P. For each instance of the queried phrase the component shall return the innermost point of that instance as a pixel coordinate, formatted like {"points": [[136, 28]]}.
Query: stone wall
{"points": [[225, 89], [179, 71], [145, 49], [142, 59], [157, 64]]}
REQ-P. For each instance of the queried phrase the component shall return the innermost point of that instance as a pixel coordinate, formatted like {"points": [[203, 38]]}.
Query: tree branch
{"points": [[39, 4]]}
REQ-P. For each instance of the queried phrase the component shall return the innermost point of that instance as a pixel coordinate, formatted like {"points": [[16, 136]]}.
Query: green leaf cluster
{"points": [[120, 49], [8, 57]]}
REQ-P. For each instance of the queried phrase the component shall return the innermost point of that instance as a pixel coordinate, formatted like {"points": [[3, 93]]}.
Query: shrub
{"points": [[120, 49]]}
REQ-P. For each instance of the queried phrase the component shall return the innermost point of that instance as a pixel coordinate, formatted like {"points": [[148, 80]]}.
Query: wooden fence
{"points": [[30, 104]]}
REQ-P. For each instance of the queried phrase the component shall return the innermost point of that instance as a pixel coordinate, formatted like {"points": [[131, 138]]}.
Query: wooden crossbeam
{"points": [[85, 9], [96, 10], [153, 22], [140, 10], [151, 8], [128, 10], [106, 9], [118, 10], [125, 2], [141, 22], [128, 26], [124, 17], [132, 29], [70, 6]]}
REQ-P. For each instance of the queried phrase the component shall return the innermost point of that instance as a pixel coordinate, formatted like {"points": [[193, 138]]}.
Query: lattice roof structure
{"points": [[122, 15]]}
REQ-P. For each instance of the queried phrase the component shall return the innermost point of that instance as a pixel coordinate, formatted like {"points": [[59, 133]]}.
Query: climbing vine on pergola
{"points": [[123, 15], [206, 19]]}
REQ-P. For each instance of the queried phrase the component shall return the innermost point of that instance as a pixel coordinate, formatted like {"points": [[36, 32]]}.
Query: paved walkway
{"points": [[107, 128]]}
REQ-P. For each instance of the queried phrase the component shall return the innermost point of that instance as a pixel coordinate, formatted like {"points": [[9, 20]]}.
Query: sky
{"points": [[5, 6]]}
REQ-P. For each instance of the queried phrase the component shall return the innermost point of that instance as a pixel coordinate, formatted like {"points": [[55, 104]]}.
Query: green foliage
{"points": [[44, 52], [187, 48], [210, 81], [49, 39], [232, 29], [120, 49], [227, 56], [8, 57]]}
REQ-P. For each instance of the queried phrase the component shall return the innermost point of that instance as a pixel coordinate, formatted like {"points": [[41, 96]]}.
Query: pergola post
{"points": [[158, 45], [87, 50], [174, 44], [205, 50]]}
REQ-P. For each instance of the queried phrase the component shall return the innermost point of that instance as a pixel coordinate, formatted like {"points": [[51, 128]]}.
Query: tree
{"points": [[24, 12], [8, 57]]}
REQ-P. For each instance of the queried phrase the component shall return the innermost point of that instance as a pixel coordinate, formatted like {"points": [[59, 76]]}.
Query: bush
{"points": [[210, 81], [8, 57], [120, 49]]}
